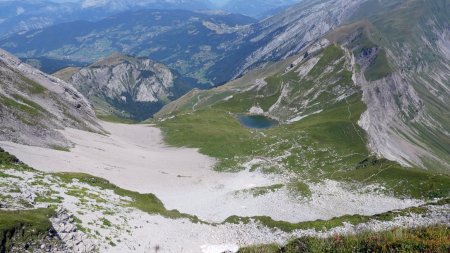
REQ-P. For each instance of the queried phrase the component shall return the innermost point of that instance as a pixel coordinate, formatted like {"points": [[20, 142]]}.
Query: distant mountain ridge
{"points": [[187, 41], [27, 15], [257, 8], [215, 47], [122, 5]]}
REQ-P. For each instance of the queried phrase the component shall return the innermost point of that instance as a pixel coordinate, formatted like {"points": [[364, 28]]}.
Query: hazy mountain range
{"points": [[210, 47], [26, 15]]}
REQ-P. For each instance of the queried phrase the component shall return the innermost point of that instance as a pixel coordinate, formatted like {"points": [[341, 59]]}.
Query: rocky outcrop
{"points": [[35, 105], [127, 86], [73, 239], [121, 77]]}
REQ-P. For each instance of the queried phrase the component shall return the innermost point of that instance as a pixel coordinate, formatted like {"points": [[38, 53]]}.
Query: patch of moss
{"points": [[33, 87], [48, 199], [106, 222], [22, 107], [300, 188], [60, 148], [259, 191], [379, 68]]}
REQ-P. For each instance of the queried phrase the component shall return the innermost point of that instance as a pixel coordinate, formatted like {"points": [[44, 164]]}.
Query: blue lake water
{"points": [[257, 121]]}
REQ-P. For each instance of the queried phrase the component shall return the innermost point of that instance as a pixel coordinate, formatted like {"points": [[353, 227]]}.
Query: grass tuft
{"points": [[430, 239]]}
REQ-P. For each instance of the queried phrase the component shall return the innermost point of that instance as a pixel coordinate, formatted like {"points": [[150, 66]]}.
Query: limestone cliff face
{"points": [[119, 77], [33, 105], [407, 108], [130, 87]]}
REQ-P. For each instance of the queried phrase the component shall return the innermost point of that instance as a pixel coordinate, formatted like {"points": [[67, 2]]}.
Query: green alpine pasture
{"points": [[324, 145]]}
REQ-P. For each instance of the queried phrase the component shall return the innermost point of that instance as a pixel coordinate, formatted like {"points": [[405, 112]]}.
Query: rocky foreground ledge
{"points": [[43, 212]]}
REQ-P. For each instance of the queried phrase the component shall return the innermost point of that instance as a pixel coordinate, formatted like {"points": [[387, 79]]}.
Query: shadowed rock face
{"points": [[34, 105]]}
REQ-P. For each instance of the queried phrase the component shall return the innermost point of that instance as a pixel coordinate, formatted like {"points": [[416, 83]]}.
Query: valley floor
{"points": [[134, 157]]}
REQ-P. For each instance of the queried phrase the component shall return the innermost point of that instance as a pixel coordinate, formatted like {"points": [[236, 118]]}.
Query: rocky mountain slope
{"points": [[73, 212], [35, 105], [282, 35], [406, 85], [128, 87], [377, 86]]}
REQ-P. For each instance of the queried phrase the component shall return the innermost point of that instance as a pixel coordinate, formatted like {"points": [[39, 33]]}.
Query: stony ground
{"points": [[90, 216]]}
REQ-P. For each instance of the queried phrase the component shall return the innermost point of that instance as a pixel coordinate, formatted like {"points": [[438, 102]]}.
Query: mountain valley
{"points": [[323, 127]]}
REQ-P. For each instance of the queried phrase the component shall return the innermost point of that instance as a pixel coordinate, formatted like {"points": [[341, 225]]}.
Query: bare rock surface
{"points": [[34, 105]]}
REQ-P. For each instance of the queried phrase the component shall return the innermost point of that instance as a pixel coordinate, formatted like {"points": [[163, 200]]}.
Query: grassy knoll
{"points": [[23, 226], [431, 239]]}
